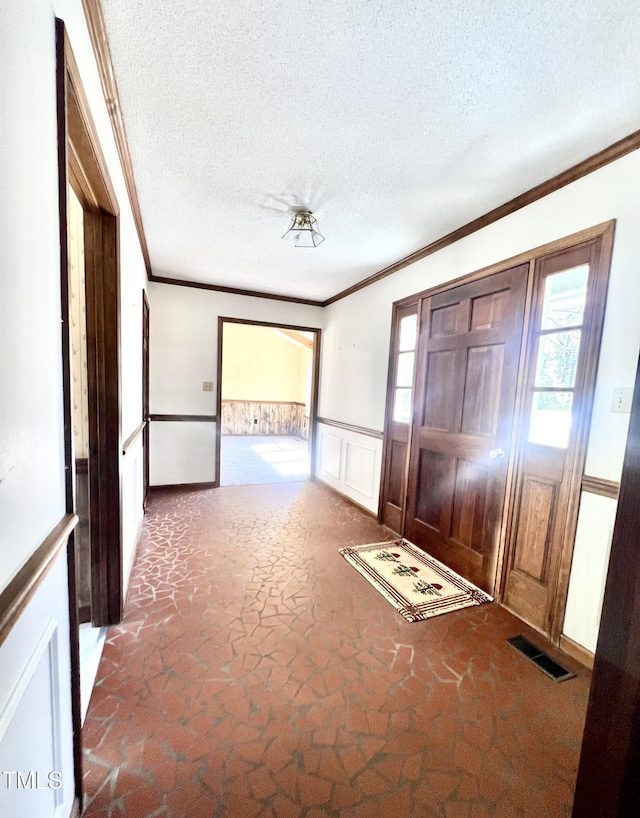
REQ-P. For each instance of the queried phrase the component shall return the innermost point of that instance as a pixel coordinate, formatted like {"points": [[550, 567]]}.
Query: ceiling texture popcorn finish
{"points": [[393, 122]]}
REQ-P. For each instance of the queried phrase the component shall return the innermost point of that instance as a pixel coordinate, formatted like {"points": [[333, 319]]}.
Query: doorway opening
{"points": [[90, 310], [267, 395]]}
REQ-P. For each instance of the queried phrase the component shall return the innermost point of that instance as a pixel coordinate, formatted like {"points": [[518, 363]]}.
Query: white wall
{"points": [[357, 331], [184, 350], [31, 424]]}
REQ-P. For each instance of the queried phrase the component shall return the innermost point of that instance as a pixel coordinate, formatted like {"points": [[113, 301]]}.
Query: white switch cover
{"points": [[621, 399]]}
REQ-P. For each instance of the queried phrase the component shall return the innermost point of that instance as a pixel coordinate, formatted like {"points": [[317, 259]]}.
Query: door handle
{"points": [[496, 453]]}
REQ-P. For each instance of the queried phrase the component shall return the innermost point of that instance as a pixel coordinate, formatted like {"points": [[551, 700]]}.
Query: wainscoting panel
{"points": [[589, 569], [35, 706], [359, 463], [329, 460], [350, 462], [262, 418], [182, 452]]}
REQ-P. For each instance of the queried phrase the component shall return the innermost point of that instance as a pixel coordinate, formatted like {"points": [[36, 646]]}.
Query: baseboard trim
{"points": [[345, 497], [577, 652], [194, 486], [134, 557]]}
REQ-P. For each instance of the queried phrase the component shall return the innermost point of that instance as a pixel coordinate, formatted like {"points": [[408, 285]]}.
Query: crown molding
{"points": [[199, 285], [99, 41], [598, 160], [98, 35]]}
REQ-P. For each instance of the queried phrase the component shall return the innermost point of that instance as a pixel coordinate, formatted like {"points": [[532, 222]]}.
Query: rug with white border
{"points": [[416, 584]]}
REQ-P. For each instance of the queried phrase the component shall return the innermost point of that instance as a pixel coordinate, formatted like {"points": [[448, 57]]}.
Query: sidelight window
{"points": [[558, 340], [405, 364]]}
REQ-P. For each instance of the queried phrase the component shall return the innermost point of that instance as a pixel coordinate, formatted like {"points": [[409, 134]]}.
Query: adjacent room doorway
{"points": [[267, 395]]}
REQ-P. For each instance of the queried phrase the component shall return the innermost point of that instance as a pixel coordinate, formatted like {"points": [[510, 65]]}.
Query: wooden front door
{"points": [[562, 353], [469, 348]]}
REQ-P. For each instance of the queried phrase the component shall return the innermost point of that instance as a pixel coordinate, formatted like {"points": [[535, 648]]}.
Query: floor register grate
{"points": [[542, 660]]}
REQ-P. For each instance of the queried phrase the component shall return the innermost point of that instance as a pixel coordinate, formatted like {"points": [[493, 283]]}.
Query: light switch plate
{"points": [[207, 386], [621, 399]]}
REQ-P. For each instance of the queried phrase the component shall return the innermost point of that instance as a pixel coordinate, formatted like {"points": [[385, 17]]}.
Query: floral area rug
{"points": [[417, 585]]}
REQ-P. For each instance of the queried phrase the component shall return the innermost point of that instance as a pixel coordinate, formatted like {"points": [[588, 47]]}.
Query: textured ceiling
{"points": [[394, 121]]}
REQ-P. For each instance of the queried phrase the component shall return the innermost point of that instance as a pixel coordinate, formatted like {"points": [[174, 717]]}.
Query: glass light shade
{"points": [[303, 231]]}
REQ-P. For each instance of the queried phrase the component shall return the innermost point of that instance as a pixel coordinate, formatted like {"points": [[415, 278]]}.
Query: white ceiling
{"points": [[394, 121]]}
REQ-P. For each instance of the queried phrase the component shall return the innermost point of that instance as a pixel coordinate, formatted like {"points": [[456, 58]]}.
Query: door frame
{"points": [[603, 231], [315, 384], [146, 353]]}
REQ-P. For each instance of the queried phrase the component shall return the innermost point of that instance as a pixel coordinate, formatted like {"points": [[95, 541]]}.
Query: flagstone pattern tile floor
{"points": [[258, 675]]}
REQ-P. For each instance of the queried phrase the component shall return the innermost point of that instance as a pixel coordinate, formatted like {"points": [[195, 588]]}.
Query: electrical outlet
{"points": [[621, 399], [207, 386]]}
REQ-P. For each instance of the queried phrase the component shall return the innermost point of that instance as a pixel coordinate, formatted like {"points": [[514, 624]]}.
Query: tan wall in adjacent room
{"points": [[260, 365]]}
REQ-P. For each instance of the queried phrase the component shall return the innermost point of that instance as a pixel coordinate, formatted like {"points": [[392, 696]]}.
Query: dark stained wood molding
{"points": [[82, 465], [86, 171], [198, 285], [64, 56], [194, 486], [184, 418], [346, 498], [98, 35], [252, 323], [349, 427], [529, 256], [577, 652], [608, 782], [133, 437], [16, 596], [275, 402], [597, 485], [315, 383], [598, 160]]}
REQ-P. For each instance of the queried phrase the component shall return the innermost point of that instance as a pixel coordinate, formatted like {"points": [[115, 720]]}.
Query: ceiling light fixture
{"points": [[303, 231]]}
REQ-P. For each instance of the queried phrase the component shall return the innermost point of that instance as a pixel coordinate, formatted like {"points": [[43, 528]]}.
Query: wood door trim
{"points": [[15, 597], [183, 418], [527, 257], [593, 341], [315, 384], [598, 485], [82, 165], [608, 781], [350, 427], [133, 437], [100, 44]]}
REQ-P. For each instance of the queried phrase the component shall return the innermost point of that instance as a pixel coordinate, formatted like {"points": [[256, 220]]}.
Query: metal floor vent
{"points": [[542, 660]]}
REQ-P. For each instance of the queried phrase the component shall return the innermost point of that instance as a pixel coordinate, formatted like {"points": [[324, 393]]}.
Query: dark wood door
{"points": [[404, 338], [145, 396], [562, 352], [469, 348]]}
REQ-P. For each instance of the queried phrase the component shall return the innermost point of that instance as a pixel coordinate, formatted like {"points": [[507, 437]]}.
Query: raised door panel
{"points": [[483, 384], [465, 388]]}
